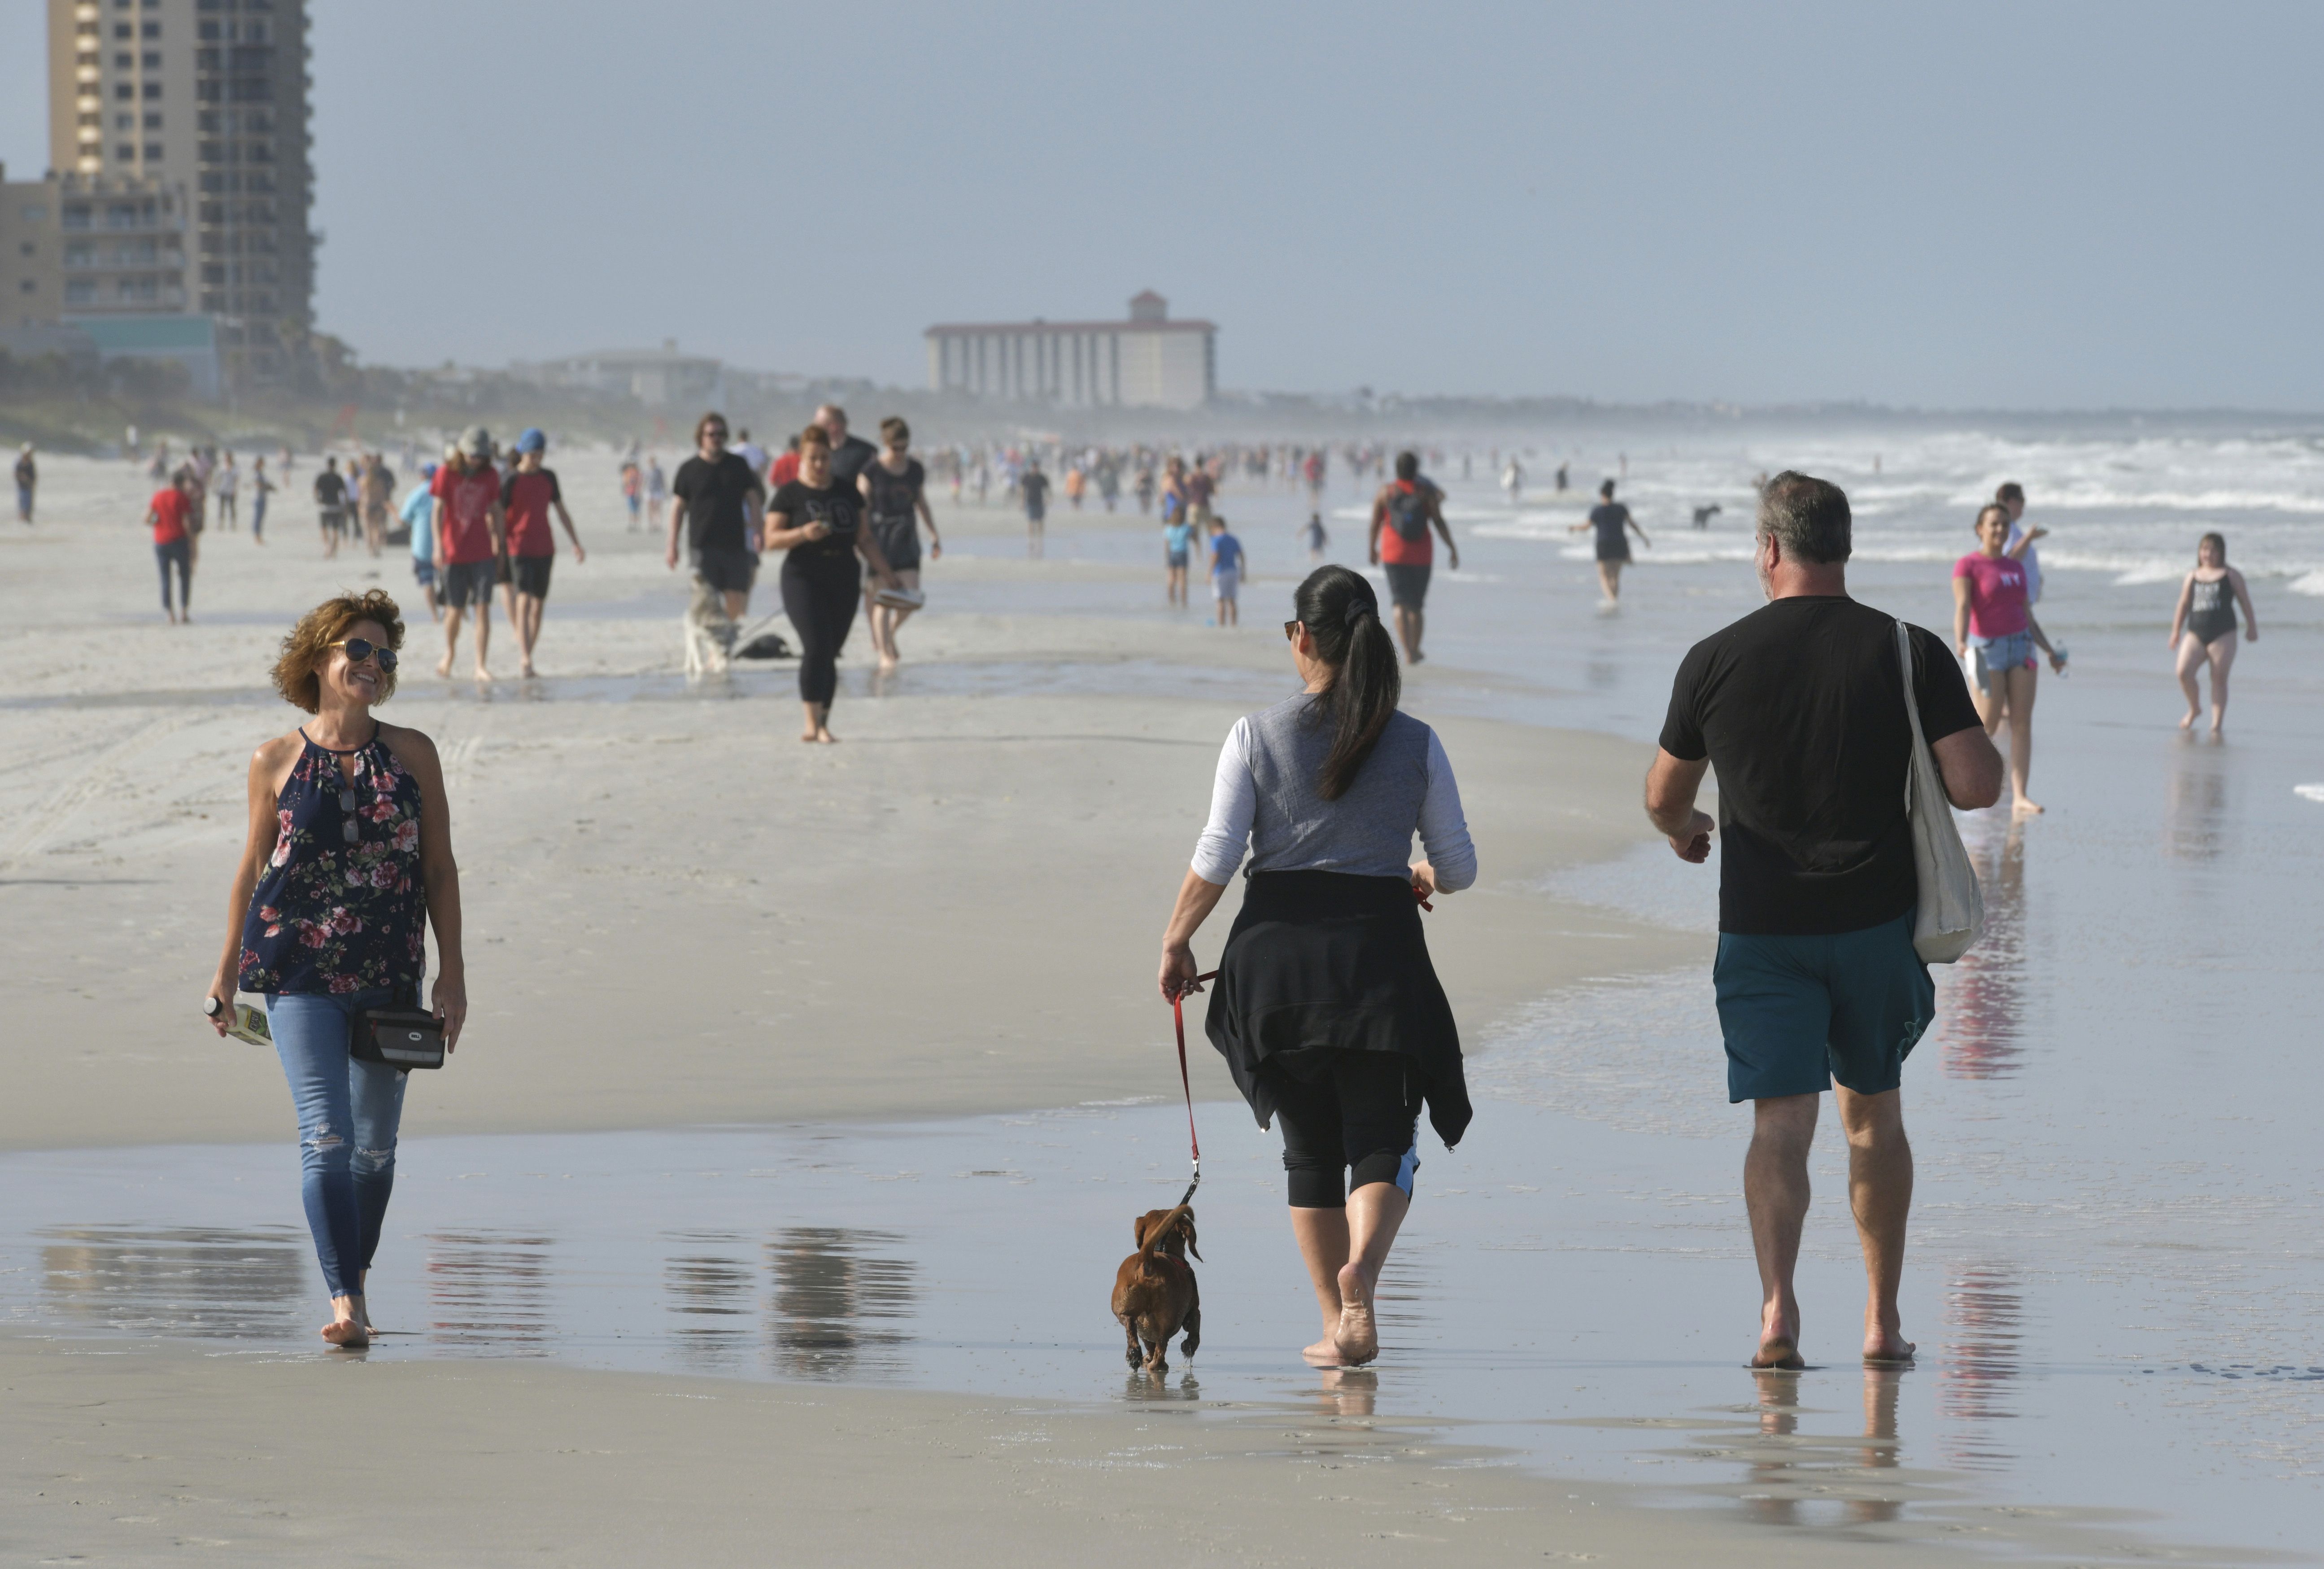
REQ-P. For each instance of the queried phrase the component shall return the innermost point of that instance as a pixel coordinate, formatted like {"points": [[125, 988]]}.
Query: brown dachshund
{"points": [[1154, 1295]]}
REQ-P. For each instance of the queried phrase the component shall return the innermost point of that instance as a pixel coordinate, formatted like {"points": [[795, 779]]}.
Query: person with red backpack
{"points": [[1402, 514]]}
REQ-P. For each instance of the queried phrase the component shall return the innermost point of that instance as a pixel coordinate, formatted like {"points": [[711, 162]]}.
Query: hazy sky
{"points": [[1944, 204]]}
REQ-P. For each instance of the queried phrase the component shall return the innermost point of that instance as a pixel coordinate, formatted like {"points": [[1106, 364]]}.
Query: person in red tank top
{"points": [[1403, 514], [168, 515]]}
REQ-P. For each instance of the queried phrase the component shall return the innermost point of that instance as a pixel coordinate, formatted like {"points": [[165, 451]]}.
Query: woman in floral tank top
{"points": [[349, 857]]}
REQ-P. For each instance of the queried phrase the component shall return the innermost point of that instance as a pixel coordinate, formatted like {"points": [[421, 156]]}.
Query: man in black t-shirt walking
{"points": [[1800, 708], [849, 454], [717, 500]]}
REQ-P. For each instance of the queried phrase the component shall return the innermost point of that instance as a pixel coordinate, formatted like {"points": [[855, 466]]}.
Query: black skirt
{"points": [[1323, 962]]}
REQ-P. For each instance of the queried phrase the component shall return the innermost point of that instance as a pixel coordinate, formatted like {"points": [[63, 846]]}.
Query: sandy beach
{"points": [[692, 939]]}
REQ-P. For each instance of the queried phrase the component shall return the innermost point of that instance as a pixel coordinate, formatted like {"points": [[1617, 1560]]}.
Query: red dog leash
{"points": [[1179, 1017]]}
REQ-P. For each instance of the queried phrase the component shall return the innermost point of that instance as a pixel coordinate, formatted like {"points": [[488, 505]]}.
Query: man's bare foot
{"points": [[809, 736], [1779, 1343], [1324, 1353], [526, 670], [2026, 807], [1358, 1337], [1885, 1348], [2189, 722], [482, 674], [823, 733], [888, 661], [444, 665], [348, 1334]]}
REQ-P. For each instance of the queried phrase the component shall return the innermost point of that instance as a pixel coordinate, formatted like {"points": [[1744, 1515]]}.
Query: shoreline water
{"points": [[1078, 670]]}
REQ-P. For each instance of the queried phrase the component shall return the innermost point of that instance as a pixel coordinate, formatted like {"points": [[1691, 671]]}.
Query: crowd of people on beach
{"points": [[1323, 1001]]}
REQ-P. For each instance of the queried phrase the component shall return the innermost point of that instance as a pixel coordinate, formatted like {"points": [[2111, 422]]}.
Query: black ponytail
{"points": [[1341, 615]]}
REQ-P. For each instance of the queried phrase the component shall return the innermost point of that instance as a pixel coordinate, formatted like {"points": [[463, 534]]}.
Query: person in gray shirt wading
{"points": [[1800, 708], [1327, 1009]]}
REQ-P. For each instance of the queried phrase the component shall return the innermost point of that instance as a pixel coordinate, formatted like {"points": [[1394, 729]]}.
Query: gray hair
{"points": [[1807, 515]]}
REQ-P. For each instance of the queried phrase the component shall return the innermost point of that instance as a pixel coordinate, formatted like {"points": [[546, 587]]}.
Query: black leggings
{"points": [[820, 598], [1359, 1115], [179, 552]]}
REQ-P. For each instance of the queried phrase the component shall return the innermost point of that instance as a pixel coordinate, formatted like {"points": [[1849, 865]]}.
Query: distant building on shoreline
{"points": [[205, 101], [1147, 362], [658, 378]]}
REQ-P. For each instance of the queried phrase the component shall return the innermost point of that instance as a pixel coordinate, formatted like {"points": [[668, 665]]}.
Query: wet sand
{"points": [[2113, 1308]]}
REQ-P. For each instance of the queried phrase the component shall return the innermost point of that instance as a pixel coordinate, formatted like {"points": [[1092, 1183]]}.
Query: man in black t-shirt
{"points": [[1800, 708], [849, 454], [331, 504], [717, 500]]}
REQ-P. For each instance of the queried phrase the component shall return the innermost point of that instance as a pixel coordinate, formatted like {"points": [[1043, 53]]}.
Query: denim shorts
{"points": [[1994, 655], [1799, 1012]]}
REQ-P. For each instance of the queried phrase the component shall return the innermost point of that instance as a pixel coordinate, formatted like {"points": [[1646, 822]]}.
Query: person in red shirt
{"points": [[1407, 507], [471, 530], [527, 495], [168, 515], [784, 468]]}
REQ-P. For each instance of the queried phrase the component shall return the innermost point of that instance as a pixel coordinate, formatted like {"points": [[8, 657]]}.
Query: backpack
{"points": [[1408, 512]]}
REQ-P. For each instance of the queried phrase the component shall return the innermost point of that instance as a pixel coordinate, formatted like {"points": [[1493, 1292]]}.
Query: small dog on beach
{"points": [[1154, 1295], [709, 632]]}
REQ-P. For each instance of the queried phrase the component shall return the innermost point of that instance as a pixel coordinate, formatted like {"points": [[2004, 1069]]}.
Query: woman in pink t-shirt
{"points": [[1995, 630]]}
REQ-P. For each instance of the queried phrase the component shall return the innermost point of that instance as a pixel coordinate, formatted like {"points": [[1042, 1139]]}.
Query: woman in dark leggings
{"points": [[820, 523], [1327, 1009]]}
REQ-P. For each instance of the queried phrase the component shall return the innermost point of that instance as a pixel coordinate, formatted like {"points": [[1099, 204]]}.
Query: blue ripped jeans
{"points": [[348, 1112]]}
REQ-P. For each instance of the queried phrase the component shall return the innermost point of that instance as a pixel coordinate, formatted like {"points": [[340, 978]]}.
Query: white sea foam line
{"points": [[2309, 792], [2313, 583]]}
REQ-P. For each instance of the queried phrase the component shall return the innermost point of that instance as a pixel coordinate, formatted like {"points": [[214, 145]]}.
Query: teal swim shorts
{"points": [[1799, 1012]]}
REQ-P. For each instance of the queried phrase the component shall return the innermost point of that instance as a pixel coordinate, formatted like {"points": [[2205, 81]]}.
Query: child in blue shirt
{"points": [[1226, 572]]}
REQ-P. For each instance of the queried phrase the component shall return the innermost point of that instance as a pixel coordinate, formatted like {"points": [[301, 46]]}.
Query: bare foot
{"points": [[1779, 1343], [1358, 1337], [1324, 1353], [525, 669], [2189, 722], [482, 674], [2216, 725], [1886, 1349], [2026, 807], [823, 733], [808, 737], [348, 1334], [444, 667], [888, 661]]}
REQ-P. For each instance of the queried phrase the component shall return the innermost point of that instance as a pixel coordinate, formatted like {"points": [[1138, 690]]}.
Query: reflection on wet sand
{"points": [[190, 1280], [1983, 1009], [2195, 823], [490, 1288], [717, 1288], [832, 1293], [1797, 1479], [1984, 1315]]}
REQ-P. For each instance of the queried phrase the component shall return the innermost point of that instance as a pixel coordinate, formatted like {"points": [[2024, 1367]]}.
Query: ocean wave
{"points": [[2311, 583]]}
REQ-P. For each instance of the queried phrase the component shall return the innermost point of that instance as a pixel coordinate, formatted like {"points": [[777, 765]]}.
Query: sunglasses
{"points": [[360, 648], [1290, 631]]}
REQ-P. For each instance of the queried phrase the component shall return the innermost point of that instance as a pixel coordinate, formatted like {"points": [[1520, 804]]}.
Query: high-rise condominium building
{"points": [[208, 97]]}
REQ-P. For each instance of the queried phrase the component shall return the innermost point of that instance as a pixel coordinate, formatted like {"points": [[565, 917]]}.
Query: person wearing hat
{"points": [[28, 475], [527, 495], [471, 532]]}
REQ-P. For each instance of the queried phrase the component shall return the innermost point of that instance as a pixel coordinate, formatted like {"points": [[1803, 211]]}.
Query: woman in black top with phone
{"points": [[820, 523]]}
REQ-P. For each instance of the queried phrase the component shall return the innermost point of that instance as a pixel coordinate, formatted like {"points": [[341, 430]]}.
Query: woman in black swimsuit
{"points": [[2203, 627], [821, 523]]}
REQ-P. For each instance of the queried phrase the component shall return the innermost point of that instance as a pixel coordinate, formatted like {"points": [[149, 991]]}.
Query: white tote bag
{"points": [[1950, 915]]}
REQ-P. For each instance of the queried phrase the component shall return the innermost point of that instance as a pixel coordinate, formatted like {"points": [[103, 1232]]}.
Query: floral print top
{"points": [[341, 906]]}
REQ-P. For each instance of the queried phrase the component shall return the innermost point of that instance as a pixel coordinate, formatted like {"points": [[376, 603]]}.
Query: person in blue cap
{"points": [[527, 495]]}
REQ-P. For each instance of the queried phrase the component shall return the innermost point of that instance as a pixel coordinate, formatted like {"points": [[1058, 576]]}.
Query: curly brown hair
{"points": [[308, 644]]}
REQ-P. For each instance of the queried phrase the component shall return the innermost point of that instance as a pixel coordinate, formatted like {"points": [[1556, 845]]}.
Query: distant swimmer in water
{"points": [[2203, 627], [1513, 480], [1703, 515], [1562, 481], [1615, 525]]}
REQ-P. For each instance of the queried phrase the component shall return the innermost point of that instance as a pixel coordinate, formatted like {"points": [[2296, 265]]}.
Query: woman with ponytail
{"points": [[1326, 1007]]}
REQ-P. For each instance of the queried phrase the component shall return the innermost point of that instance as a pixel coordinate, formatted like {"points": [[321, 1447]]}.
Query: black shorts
{"points": [[1620, 550], [1407, 586], [1353, 1114], [467, 583], [727, 571], [334, 520], [531, 575]]}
